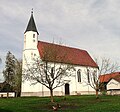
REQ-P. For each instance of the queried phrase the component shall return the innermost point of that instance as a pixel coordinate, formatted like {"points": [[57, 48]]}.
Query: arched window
{"points": [[79, 75], [95, 76], [88, 75], [52, 72]]}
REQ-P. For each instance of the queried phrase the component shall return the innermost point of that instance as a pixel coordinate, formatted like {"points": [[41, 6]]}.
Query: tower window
{"points": [[79, 75], [34, 54], [33, 40], [33, 35]]}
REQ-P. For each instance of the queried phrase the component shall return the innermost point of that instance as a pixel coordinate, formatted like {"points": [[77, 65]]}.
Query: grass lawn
{"points": [[68, 104]]}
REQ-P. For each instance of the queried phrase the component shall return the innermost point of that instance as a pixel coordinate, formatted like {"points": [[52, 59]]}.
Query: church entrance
{"points": [[67, 90]]}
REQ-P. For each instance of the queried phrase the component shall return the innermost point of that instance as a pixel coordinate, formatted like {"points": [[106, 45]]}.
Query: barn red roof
{"points": [[66, 54], [107, 77], [117, 78]]}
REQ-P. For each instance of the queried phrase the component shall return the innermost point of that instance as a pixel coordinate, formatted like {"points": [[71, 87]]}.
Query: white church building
{"points": [[78, 83]]}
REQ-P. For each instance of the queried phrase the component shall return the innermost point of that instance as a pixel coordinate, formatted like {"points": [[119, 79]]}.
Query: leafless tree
{"points": [[49, 70], [105, 66]]}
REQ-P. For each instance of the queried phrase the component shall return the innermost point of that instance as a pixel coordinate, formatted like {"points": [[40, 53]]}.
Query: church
{"points": [[77, 84]]}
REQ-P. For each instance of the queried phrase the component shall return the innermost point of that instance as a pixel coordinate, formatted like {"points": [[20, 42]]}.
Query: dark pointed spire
{"points": [[31, 24]]}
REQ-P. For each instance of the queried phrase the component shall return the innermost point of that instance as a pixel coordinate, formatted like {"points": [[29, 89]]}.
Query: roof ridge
{"points": [[110, 73], [117, 78], [63, 46]]}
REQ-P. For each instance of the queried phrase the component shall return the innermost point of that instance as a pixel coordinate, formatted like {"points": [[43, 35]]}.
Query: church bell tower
{"points": [[30, 52], [30, 34], [30, 42]]}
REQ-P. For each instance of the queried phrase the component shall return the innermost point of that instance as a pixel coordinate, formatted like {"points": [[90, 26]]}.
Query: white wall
{"points": [[113, 84], [75, 86], [30, 41]]}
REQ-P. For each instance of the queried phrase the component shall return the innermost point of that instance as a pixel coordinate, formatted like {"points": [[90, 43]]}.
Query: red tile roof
{"points": [[117, 78], [107, 77], [66, 54]]}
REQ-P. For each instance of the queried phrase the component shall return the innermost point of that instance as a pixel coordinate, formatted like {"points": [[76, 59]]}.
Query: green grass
{"points": [[68, 104]]}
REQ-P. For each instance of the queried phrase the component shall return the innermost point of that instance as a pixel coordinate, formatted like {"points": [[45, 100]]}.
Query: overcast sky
{"points": [[93, 25]]}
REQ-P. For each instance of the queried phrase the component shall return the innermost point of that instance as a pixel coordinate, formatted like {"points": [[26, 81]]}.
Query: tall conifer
{"points": [[9, 71]]}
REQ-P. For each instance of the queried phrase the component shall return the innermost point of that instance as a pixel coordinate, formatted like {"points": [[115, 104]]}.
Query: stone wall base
{"points": [[56, 93]]}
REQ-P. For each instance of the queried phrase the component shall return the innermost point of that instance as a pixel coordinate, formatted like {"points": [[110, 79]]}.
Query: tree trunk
{"points": [[97, 94], [15, 94], [7, 94], [51, 95]]}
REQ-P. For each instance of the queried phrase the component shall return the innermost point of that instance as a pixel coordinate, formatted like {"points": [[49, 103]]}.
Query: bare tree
{"points": [[50, 71], [105, 66]]}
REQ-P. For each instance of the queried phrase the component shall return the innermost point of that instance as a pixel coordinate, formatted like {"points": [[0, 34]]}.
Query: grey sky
{"points": [[93, 25]]}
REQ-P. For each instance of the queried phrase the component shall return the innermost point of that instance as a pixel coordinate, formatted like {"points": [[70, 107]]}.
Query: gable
{"points": [[113, 84], [63, 54], [112, 81]]}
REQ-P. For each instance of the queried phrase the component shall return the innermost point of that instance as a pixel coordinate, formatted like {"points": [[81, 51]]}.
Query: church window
{"points": [[33, 40], [94, 76], [88, 75], [52, 72], [79, 75], [33, 35], [34, 54]]}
